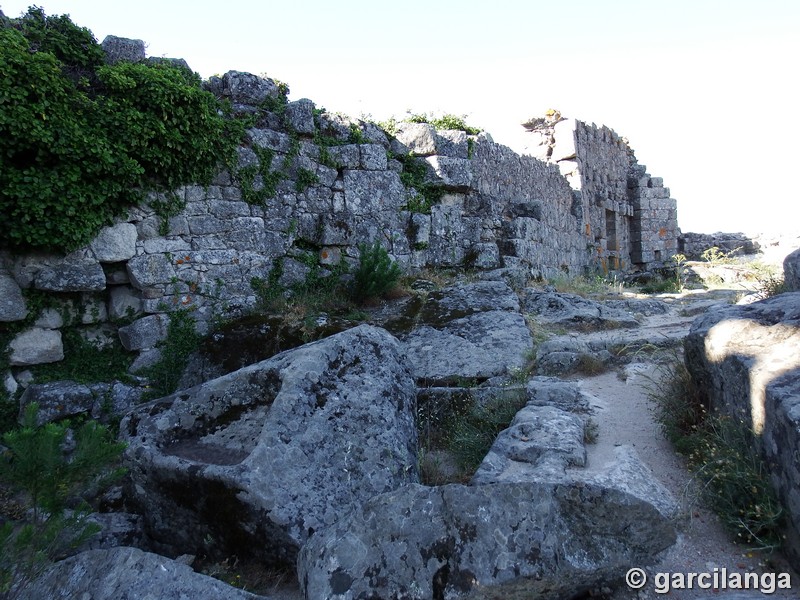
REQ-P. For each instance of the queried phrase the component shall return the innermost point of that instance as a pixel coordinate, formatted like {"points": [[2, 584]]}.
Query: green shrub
{"points": [[376, 273], [81, 141], [36, 465], [447, 121]]}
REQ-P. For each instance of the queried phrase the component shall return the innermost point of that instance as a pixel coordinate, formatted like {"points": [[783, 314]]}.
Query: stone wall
{"points": [[337, 183], [628, 217]]}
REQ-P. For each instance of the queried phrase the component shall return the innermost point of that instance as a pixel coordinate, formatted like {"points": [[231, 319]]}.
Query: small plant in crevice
{"points": [[591, 431], [51, 479], [473, 433], [305, 179], [724, 456], [414, 176], [716, 256], [588, 364], [376, 274], [86, 362], [447, 121], [181, 341]]}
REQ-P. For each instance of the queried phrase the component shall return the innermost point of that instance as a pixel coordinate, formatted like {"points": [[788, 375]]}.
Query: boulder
{"points": [[36, 346], [745, 359], [115, 244], [12, 302], [122, 49], [508, 540], [542, 438], [262, 458], [131, 574], [300, 116], [791, 271], [246, 88], [468, 331]]}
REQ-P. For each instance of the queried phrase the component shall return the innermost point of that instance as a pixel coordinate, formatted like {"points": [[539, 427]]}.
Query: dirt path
{"points": [[624, 414]]}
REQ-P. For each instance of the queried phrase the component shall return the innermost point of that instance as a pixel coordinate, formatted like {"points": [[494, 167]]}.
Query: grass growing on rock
{"points": [[473, 434], [724, 457]]}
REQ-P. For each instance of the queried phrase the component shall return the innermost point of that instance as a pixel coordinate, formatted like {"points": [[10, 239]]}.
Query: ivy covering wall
{"points": [[82, 140]]}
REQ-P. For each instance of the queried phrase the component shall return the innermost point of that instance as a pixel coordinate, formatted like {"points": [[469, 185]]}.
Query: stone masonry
{"points": [[629, 219], [586, 208]]}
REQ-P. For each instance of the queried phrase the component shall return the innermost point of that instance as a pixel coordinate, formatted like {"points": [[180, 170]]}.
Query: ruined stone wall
{"points": [[338, 183], [629, 219]]}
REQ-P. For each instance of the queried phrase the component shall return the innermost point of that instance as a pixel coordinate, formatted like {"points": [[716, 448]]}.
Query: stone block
{"points": [[347, 156], [148, 270], [564, 135], [57, 400], [116, 243], [12, 302], [36, 346], [144, 333], [246, 88], [419, 138], [71, 275], [271, 140], [123, 301], [484, 255], [373, 157], [299, 116], [372, 192], [453, 172], [452, 143]]}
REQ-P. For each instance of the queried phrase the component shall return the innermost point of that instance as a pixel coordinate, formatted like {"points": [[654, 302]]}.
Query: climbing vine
{"points": [[81, 141]]}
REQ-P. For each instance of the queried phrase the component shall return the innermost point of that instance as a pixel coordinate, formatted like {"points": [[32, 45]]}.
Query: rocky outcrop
{"points": [[514, 540], [131, 574], [693, 245], [532, 523], [264, 457], [746, 359], [469, 331], [576, 312]]}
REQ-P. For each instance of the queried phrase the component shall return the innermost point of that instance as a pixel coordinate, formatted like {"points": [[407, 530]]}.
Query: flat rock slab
{"points": [[131, 574], [573, 311], [262, 458], [516, 540], [469, 331]]}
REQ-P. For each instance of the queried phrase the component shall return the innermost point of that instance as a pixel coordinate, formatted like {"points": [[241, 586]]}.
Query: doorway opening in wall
{"points": [[657, 255], [611, 231]]}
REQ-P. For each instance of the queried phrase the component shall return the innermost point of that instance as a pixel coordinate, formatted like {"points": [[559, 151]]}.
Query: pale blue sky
{"points": [[705, 90]]}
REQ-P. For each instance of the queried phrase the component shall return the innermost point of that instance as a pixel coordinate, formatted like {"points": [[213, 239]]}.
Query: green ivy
{"points": [[182, 339], [414, 177], [81, 141], [305, 178]]}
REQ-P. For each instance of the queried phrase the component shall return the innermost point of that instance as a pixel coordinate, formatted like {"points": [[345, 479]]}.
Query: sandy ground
{"points": [[624, 414]]}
